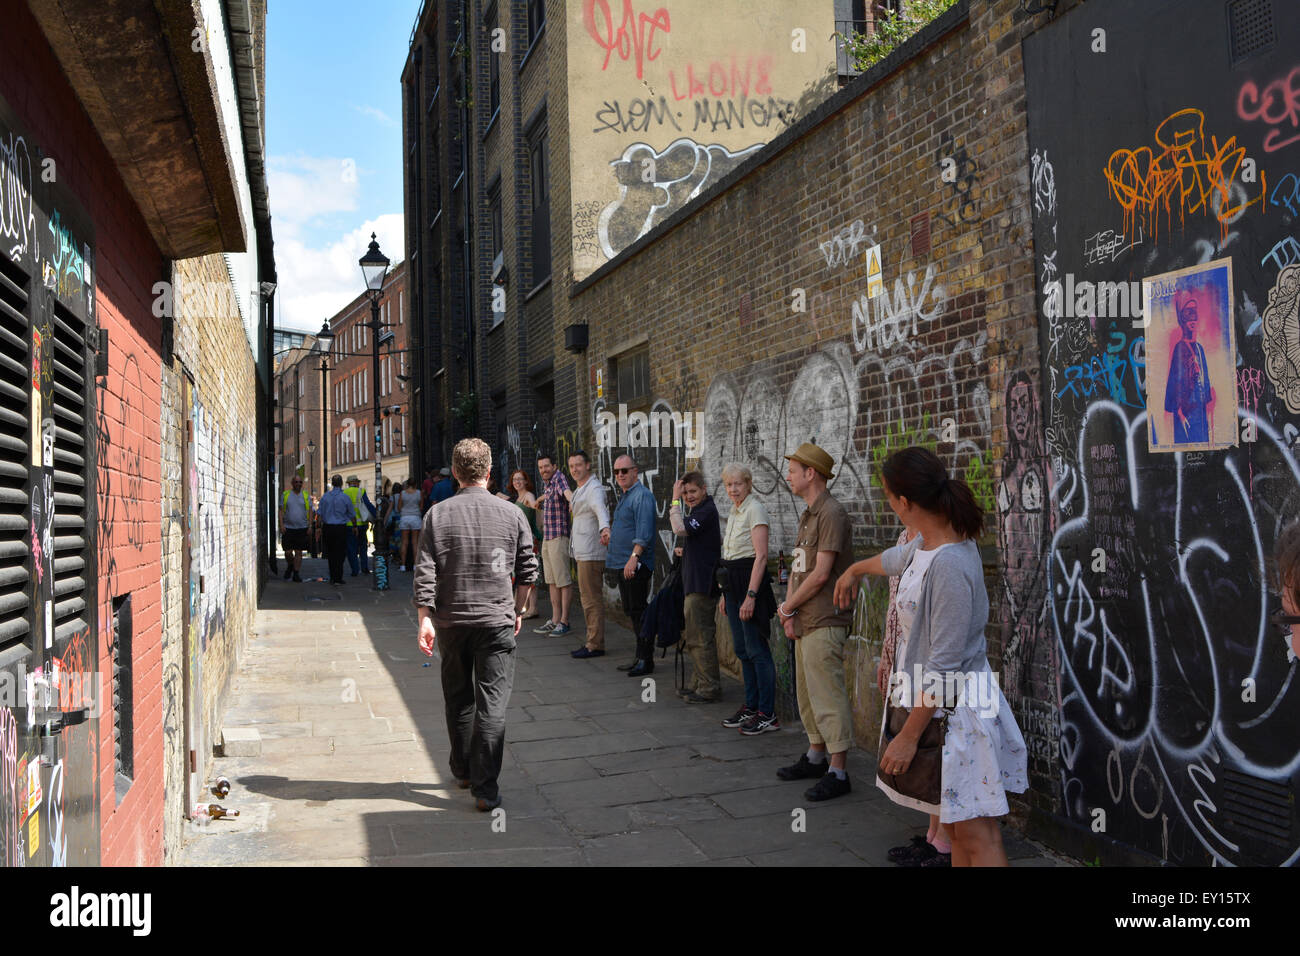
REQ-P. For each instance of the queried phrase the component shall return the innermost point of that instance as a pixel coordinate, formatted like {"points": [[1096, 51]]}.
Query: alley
{"points": [[353, 770]]}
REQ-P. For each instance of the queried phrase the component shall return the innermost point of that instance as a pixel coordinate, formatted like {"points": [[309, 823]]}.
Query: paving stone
{"points": [[561, 771], [609, 764], [550, 711], [538, 750], [659, 847], [605, 791], [241, 742], [808, 854], [548, 730], [719, 839]]}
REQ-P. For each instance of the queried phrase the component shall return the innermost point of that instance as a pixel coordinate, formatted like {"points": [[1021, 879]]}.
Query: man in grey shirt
{"points": [[470, 547]]}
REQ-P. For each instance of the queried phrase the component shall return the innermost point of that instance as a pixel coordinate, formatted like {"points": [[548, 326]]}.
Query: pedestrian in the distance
{"points": [[589, 542], [336, 514], [748, 602], [295, 517], [555, 546], [409, 522], [701, 554], [470, 547], [522, 497], [630, 559], [358, 543], [943, 608]]}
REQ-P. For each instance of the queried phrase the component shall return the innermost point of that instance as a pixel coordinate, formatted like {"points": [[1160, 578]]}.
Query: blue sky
{"points": [[334, 145]]}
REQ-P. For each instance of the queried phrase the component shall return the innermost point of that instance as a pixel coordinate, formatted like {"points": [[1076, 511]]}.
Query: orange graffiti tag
{"points": [[1184, 175]]}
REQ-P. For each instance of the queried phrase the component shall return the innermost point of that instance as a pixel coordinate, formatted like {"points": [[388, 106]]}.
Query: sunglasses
{"points": [[622, 471], [1283, 621]]}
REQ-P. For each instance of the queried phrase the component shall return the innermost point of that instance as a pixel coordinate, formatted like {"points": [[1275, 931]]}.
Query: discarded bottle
{"points": [[216, 811], [782, 573], [222, 787]]}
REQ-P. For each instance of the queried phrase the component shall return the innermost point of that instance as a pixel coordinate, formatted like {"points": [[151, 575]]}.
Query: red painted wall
{"points": [[127, 264]]}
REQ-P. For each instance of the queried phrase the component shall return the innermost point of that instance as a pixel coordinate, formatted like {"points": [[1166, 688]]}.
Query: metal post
{"points": [[324, 428], [374, 341]]}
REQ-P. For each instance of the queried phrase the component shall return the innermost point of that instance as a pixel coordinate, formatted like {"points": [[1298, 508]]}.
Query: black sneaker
{"points": [[738, 718], [803, 770], [759, 723], [828, 787], [919, 849], [287, 572], [297, 577]]}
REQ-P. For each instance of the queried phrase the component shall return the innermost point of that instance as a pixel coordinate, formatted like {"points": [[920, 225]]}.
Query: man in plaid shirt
{"points": [[555, 545]]}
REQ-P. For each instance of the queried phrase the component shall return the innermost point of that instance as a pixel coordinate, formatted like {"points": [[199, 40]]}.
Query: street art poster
{"points": [[664, 102], [1191, 359]]}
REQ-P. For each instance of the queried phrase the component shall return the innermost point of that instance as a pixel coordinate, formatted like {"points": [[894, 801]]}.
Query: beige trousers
{"points": [[593, 602], [820, 690]]}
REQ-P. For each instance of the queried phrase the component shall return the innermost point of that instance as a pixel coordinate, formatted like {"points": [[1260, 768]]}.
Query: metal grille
{"points": [[15, 429], [1261, 808], [71, 474], [1250, 27]]}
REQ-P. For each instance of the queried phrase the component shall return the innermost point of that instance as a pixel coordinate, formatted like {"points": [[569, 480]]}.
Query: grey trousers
{"points": [[478, 672]]}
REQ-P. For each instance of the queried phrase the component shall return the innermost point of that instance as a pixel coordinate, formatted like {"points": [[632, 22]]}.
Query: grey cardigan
{"points": [[948, 633]]}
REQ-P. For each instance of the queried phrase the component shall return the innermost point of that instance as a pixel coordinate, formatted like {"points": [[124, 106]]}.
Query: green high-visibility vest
{"points": [[355, 494], [284, 501]]}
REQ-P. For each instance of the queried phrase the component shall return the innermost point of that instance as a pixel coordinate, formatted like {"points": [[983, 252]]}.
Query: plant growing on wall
{"points": [[891, 30], [465, 410]]}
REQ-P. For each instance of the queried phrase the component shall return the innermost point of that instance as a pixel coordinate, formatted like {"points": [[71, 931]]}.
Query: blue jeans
{"points": [[358, 550], [755, 661]]}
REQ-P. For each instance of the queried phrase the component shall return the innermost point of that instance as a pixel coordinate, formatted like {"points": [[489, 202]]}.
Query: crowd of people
{"points": [[944, 749]]}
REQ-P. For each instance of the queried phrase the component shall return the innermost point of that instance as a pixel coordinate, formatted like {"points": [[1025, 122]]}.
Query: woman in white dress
{"points": [[943, 609]]}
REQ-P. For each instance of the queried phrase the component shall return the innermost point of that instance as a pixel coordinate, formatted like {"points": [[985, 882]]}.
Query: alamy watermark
{"points": [[655, 429], [978, 690], [1084, 299], [68, 690]]}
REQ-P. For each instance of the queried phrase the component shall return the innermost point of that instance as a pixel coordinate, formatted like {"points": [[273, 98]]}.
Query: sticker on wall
{"points": [[49, 622], [33, 788], [1191, 359], [36, 427], [875, 274], [1282, 336], [33, 835], [47, 443], [600, 383]]}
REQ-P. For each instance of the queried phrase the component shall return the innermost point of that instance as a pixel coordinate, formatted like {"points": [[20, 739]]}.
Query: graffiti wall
{"points": [[666, 99], [1150, 168]]}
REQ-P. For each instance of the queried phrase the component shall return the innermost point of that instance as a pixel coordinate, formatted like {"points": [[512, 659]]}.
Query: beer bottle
{"points": [[222, 787], [216, 811]]}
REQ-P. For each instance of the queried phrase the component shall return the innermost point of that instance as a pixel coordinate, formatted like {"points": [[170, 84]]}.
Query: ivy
{"points": [[891, 31]]}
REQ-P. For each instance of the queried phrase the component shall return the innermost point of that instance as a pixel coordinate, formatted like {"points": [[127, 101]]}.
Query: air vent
{"points": [[1250, 28], [1262, 809], [15, 429], [72, 537], [921, 235]]}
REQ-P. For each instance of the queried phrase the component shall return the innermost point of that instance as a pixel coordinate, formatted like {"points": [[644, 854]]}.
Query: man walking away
{"points": [[818, 628], [555, 546], [590, 539], [336, 511], [295, 516], [702, 551], [470, 546], [630, 560], [358, 546]]}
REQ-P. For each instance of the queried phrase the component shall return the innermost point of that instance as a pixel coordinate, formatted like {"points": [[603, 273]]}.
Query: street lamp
{"points": [[374, 267], [311, 453], [322, 347]]}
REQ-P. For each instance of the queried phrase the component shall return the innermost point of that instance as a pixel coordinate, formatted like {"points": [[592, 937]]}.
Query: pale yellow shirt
{"points": [[736, 542]]}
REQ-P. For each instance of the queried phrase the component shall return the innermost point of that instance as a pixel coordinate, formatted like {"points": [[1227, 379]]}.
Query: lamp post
{"points": [[374, 267], [311, 455], [322, 346]]}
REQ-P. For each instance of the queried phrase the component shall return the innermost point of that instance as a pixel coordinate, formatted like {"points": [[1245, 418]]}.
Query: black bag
{"points": [[923, 778], [722, 577]]}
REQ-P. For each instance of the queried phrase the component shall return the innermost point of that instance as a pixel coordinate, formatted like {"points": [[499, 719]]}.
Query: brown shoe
{"points": [[694, 698]]}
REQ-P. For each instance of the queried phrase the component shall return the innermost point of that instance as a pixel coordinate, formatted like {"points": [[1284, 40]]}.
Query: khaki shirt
{"points": [[737, 542], [824, 526]]}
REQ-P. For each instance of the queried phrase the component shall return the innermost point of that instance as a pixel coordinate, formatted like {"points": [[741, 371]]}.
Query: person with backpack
{"points": [[295, 518]]}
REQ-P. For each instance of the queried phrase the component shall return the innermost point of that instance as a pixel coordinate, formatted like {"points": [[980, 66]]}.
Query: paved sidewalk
{"points": [[354, 749]]}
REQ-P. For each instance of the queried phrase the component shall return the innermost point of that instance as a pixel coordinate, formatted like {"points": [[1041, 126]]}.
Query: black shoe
{"points": [[738, 718], [828, 787], [640, 668], [803, 770], [694, 698], [287, 572], [365, 570], [583, 653], [297, 577], [919, 849], [484, 804]]}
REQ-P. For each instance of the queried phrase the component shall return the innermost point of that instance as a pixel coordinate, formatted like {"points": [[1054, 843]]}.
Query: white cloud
{"points": [[377, 113], [303, 188], [316, 282]]}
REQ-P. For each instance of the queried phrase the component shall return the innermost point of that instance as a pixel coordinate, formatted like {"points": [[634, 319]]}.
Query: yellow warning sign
{"points": [[33, 835], [875, 276]]}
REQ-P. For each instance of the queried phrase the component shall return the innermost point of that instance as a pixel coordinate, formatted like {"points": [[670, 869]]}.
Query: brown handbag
{"points": [[923, 777]]}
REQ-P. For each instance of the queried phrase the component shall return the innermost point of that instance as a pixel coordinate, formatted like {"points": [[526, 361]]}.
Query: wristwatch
{"points": [[751, 593]]}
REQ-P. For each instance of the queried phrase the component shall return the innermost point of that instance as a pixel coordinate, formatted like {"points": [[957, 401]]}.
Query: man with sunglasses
{"points": [[631, 555]]}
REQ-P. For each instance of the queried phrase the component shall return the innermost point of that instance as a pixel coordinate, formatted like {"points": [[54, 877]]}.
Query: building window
{"points": [[536, 19], [494, 63], [539, 169], [302, 386], [302, 423], [632, 375]]}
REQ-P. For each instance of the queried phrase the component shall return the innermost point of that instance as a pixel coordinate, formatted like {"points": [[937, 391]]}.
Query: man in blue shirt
{"points": [[631, 555], [336, 513]]}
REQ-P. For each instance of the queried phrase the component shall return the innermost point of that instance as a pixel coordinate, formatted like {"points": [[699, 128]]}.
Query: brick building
{"points": [[302, 440], [134, 357], [351, 386]]}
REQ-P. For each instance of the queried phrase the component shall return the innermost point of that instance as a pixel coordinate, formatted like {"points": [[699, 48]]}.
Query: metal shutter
{"points": [[72, 536], [15, 478]]}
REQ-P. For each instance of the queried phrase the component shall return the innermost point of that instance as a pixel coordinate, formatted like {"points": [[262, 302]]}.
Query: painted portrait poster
{"points": [[1191, 358]]}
